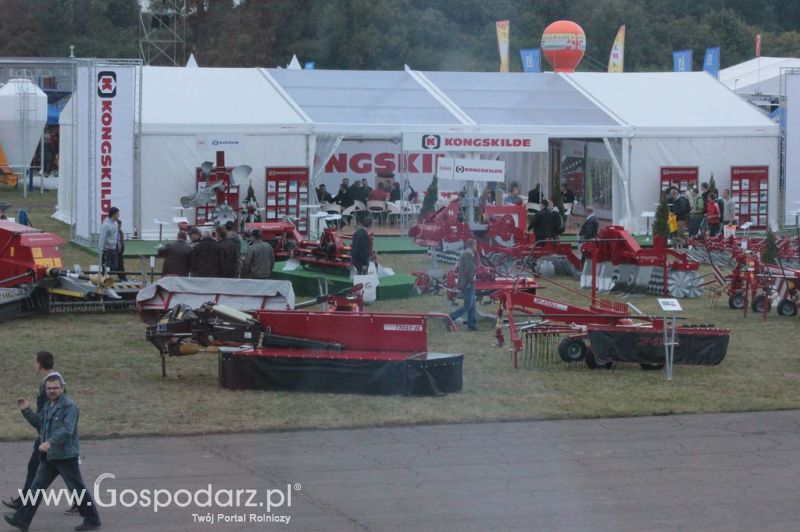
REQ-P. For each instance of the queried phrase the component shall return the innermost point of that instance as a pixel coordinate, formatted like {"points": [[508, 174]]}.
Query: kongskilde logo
{"points": [[459, 169], [431, 142], [107, 84]]}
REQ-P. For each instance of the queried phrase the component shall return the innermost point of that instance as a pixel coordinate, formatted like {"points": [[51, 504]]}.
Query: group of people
{"points": [[701, 210], [360, 190], [218, 253], [55, 452]]}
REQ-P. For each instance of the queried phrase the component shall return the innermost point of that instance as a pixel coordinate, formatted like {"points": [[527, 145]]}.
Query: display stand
{"points": [[670, 307], [287, 190], [750, 190], [648, 215], [228, 193]]}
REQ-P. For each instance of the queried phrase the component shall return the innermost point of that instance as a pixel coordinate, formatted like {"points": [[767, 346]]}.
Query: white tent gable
{"points": [[669, 104], [211, 100], [761, 75]]}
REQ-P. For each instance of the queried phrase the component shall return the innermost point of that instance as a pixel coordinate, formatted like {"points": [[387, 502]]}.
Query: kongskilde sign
{"points": [[471, 169], [106, 98], [466, 142]]}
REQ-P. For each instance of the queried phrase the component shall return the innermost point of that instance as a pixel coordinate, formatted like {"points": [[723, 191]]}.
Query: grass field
{"points": [[114, 375]]}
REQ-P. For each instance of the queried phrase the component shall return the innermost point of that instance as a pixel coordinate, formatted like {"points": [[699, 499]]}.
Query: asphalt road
{"points": [[700, 472]]}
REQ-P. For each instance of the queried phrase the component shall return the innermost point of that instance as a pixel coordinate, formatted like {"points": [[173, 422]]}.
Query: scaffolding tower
{"points": [[162, 32]]}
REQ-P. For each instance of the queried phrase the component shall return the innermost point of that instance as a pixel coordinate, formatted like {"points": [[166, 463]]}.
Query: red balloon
{"points": [[563, 45]]}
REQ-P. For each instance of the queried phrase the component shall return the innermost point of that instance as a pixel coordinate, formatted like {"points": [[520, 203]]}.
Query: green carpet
{"points": [[304, 281], [396, 244]]}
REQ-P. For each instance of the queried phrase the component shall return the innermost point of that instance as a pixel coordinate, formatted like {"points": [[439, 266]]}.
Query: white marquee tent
{"points": [[682, 119], [183, 110], [298, 117], [758, 76]]}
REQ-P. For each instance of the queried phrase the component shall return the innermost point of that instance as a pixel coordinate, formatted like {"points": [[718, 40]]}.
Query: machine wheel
{"points": [[761, 303], [787, 307], [736, 301], [593, 363], [651, 367], [572, 350]]}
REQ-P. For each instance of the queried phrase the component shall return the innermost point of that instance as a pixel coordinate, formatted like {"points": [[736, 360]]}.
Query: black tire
{"points": [[787, 307], [736, 301], [651, 367], [592, 362], [572, 350], [761, 303]]}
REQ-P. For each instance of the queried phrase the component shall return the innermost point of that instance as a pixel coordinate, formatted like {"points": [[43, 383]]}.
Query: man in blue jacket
{"points": [[58, 432]]}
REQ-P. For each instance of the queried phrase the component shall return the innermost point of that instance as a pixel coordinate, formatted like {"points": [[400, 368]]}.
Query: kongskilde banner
{"points": [[106, 114], [471, 169], [469, 142]]}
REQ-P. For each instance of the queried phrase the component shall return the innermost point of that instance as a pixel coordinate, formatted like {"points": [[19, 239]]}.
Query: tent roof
{"points": [[215, 100], [761, 75], [544, 102], [669, 104], [361, 101]]}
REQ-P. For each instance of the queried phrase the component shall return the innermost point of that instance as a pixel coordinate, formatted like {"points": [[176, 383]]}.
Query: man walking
{"points": [[43, 362], [109, 241], [58, 431], [259, 260], [590, 227], [467, 269]]}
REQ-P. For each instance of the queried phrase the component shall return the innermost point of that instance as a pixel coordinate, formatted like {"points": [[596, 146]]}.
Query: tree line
{"points": [[424, 34]]}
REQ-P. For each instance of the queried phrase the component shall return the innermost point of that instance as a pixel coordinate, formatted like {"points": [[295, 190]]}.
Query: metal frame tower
{"points": [[162, 32]]}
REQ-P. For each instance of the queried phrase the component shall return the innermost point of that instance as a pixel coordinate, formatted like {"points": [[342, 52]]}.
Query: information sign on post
{"points": [[670, 306]]}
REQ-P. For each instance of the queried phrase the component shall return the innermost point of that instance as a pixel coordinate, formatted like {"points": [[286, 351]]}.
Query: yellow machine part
{"points": [[6, 175]]}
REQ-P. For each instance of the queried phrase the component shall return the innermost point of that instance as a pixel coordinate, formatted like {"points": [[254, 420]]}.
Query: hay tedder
{"points": [[32, 278], [617, 262], [601, 334]]}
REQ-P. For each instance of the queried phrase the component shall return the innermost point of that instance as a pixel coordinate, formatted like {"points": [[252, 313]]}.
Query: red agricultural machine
{"points": [[282, 236], [600, 335], [340, 349], [620, 263], [330, 252], [32, 278]]}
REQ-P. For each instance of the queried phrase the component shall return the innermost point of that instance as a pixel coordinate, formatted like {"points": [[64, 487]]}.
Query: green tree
{"points": [[431, 195], [769, 255], [661, 221]]}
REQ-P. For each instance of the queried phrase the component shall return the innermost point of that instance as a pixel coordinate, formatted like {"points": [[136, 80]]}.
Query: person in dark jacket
{"points": [[259, 260], [231, 253], [44, 363], [205, 259], [396, 194], [323, 196], [176, 256], [556, 221], [534, 195], [344, 197], [360, 250], [542, 223], [467, 270], [58, 431], [590, 227]]}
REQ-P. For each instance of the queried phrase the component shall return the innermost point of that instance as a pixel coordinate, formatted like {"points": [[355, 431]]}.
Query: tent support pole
{"points": [[625, 182]]}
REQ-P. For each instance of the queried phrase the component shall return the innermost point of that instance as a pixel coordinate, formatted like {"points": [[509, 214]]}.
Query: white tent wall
{"points": [[66, 179], [169, 163], [711, 154]]}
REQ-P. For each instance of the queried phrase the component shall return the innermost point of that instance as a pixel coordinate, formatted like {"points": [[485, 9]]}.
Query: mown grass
{"points": [[115, 375]]}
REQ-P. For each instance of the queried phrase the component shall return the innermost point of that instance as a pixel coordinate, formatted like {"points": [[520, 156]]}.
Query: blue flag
{"points": [[711, 61], [682, 61], [531, 59], [310, 65]]}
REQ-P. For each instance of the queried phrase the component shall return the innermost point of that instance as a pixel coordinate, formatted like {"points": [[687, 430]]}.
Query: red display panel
{"points": [[680, 177], [287, 190], [750, 191]]}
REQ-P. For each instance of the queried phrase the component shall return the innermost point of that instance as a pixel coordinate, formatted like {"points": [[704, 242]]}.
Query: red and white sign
{"points": [[108, 177], [469, 142], [680, 177], [471, 169]]}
